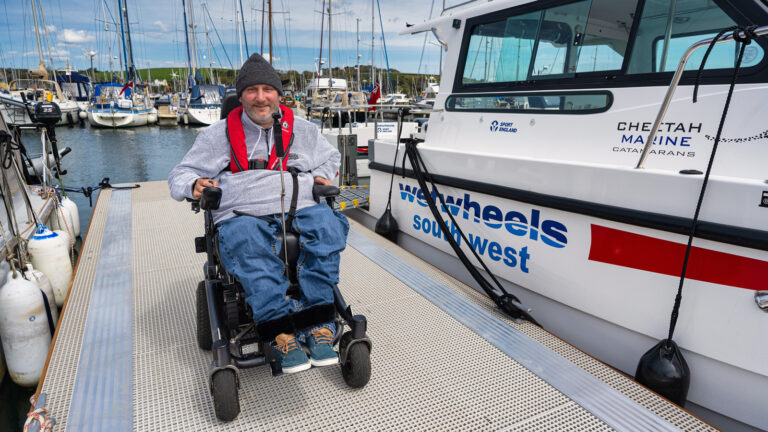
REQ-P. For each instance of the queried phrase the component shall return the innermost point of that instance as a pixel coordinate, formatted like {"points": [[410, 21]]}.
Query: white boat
{"points": [[395, 100], [117, 106], [39, 90], [319, 90], [15, 111], [544, 113], [203, 104], [428, 95], [365, 133]]}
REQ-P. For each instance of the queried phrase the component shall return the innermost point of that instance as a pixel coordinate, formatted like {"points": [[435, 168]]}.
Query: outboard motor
{"points": [[49, 113]]}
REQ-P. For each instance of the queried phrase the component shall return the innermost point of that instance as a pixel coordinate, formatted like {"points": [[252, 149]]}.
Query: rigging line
{"points": [[218, 37], [749, 35], [424, 44], [384, 42], [245, 33], [8, 30], [286, 23]]}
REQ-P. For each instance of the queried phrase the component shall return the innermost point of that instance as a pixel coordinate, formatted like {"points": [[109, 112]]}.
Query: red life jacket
{"points": [[237, 139]]}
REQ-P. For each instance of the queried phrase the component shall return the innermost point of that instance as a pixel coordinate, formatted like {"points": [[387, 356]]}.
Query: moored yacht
{"points": [[544, 148], [203, 104], [319, 90], [118, 106], [44, 90]]}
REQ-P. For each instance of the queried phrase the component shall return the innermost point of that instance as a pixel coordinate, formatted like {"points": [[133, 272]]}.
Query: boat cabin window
{"points": [[668, 27], [583, 36], [357, 99], [544, 103]]}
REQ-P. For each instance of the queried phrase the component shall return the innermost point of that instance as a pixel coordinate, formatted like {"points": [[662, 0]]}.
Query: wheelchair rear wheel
{"points": [[226, 401], [204, 339]]}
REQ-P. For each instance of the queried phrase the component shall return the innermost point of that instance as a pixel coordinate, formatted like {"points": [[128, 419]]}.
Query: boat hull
{"points": [[596, 249], [203, 116], [118, 118]]}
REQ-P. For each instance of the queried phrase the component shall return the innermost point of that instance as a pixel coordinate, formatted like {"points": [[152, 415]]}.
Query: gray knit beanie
{"points": [[256, 70]]}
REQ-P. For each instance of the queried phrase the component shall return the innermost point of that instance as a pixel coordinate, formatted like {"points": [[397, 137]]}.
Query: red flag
{"points": [[130, 84], [375, 95]]}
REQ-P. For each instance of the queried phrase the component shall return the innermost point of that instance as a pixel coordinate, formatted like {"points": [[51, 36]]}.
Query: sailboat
{"points": [[203, 101], [115, 105]]}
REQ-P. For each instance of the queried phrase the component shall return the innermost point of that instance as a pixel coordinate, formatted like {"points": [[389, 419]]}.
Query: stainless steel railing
{"points": [[676, 80]]}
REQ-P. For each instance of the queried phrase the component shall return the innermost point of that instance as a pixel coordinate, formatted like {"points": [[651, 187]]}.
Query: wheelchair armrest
{"points": [[321, 191], [211, 198]]}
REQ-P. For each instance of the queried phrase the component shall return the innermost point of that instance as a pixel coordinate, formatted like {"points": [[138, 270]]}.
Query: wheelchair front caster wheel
{"points": [[226, 401], [357, 369]]}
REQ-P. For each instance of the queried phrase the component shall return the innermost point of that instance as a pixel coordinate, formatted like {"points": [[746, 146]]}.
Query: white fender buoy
{"points": [[50, 255], [60, 219], [41, 280], [186, 118], [83, 114], [74, 215], [152, 116], [24, 329]]}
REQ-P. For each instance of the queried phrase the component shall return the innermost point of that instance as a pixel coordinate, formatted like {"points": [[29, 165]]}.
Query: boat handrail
{"points": [[676, 80], [14, 102]]}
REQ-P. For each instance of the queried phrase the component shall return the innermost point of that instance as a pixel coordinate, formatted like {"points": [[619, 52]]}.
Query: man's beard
{"points": [[261, 120]]}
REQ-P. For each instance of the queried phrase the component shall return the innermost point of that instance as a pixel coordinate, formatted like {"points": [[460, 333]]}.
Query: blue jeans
{"points": [[251, 253]]}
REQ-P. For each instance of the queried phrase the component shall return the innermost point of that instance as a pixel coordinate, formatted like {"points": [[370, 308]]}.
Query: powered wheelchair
{"points": [[225, 323]]}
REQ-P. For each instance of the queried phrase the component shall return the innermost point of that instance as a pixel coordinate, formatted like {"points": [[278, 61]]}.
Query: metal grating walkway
{"points": [[430, 370]]}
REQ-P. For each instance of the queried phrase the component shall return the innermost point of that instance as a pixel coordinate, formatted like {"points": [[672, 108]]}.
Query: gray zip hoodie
{"points": [[255, 192]]}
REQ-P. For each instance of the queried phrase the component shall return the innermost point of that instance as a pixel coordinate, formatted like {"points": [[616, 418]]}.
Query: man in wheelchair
{"points": [[238, 155]]}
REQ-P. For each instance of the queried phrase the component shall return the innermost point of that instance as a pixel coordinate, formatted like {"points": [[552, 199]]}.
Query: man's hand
{"points": [[201, 184], [322, 181]]}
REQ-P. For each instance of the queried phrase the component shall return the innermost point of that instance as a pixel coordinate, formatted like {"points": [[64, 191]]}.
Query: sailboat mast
{"points": [[186, 36], [245, 34], [195, 60], [330, 51], [373, 43], [262, 28], [47, 41], [132, 66], [358, 54], [270, 30], [37, 33], [128, 76], [106, 37], [239, 35], [208, 44]]}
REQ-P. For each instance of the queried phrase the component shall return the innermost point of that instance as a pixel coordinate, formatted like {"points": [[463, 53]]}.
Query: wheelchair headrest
{"points": [[229, 103]]}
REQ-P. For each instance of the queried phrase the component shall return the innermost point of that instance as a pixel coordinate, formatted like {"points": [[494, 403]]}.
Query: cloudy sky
{"points": [[77, 27]]}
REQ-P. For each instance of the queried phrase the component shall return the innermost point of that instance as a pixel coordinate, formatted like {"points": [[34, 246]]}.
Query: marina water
{"points": [[125, 156]]}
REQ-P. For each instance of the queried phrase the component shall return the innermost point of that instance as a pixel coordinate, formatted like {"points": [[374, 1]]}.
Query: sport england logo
{"points": [[503, 127]]}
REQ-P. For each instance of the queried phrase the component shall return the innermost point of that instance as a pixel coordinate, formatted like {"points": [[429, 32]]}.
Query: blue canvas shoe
{"points": [[291, 357], [320, 345]]}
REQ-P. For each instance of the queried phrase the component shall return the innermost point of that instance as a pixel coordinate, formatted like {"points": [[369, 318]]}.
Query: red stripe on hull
{"points": [[626, 249]]}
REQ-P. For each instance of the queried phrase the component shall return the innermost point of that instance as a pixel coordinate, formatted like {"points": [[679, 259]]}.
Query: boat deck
{"points": [[125, 355]]}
